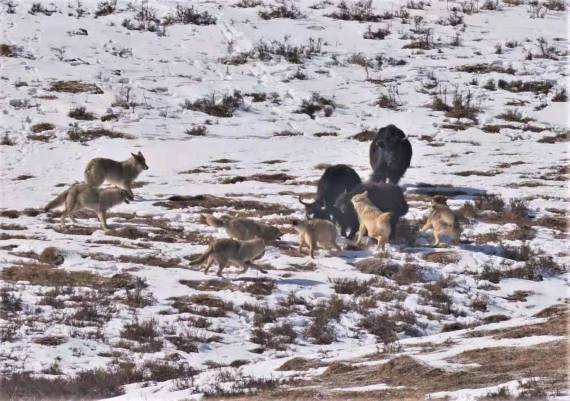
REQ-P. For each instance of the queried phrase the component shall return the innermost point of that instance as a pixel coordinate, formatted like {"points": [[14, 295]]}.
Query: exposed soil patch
{"points": [[277, 177], [210, 203]]}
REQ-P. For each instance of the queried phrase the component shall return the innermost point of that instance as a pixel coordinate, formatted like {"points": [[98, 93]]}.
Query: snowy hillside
{"points": [[238, 106]]}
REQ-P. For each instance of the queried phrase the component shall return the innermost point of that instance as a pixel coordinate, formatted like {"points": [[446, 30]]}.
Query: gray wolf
{"points": [[372, 220], [316, 231], [121, 174], [442, 220]]}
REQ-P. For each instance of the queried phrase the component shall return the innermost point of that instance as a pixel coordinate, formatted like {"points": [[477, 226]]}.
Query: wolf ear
{"points": [[140, 154], [133, 155]]}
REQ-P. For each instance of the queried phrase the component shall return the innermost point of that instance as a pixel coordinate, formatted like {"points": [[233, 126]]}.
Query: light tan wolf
{"points": [[442, 220], [225, 251], [242, 228], [371, 220], [82, 196], [121, 174], [316, 231]]}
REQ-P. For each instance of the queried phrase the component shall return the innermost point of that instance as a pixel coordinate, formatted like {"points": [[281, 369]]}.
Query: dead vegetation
{"points": [[209, 204], [75, 87], [79, 135], [225, 107]]}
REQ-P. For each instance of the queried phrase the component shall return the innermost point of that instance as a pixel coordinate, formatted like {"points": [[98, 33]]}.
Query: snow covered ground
{"points": [[164, 331]]}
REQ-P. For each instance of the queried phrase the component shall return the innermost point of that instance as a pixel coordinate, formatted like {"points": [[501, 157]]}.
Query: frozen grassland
{"points": [[480, 89]]}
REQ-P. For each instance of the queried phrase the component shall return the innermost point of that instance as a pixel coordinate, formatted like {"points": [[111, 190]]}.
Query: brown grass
{"points": [[75, 87], [78, 135], [270, 178], [442, 257], [210, 203], [40, 127], [42, 274]]}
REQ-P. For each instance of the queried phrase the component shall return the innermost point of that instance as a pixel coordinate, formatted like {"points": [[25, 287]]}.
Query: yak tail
{"points": [[58, 201]]}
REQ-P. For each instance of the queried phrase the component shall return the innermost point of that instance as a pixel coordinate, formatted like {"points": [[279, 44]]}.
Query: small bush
{"points": [[424, 42], [530, 86], [491, 5], [283, 9], [277, 337], [555, 5], [560, 95], [265, 51], [389, 99], [143, 332], [351, 286], [106, 7], [226, 107], [490, 202], [514, 115], [379, 33], [77, 135], [80, 113], [381, 326], [360, 10], [197, 130], [315, 104], [248, 3], [38, 8], [463, 106], [188, 15]]}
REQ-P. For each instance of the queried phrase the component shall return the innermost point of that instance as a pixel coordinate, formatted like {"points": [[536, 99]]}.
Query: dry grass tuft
{"points": [[75, 87]]}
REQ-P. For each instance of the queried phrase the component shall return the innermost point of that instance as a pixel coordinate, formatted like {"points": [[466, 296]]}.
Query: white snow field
{"points": [[238, 106]]}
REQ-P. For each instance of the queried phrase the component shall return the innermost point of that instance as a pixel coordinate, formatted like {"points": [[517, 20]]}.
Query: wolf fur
{"points": [[121, 174], [226, 251], [82, 196], [372, 220], [442, 220], [316, 231], [242, 228]]}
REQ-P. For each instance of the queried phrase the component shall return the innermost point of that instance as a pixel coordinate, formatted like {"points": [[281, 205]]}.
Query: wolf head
{"points": [[363, 196], [140, 161], [439, 200]]}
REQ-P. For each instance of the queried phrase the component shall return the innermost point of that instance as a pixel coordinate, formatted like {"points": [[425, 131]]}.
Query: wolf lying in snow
{"points": [[225, 251], [82, 196], [242, 228], [372, 220], [121, 174], [442, 220]]}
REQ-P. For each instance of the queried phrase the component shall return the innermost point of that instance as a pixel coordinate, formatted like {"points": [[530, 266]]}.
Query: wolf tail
{"points": [[202, 257], [58, 201]]}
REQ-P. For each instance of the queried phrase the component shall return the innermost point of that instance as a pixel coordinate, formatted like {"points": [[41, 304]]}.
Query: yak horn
{"points": [[304, 203]]}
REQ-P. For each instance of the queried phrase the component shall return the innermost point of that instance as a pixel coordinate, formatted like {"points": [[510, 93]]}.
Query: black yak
{"points": [[390, 155], [336, 180]]}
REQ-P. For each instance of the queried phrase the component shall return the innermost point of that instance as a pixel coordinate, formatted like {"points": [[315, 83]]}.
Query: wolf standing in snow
{"points": [[372, 220], [316, 231], [225, 251], [82, 196], [242, 228], [121, 174], [442, 220]]}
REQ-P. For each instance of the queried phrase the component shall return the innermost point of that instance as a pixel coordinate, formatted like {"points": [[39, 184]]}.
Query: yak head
{"points": [[315, 210]]}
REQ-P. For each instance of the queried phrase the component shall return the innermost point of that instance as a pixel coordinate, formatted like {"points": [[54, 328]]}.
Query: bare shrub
{"points": [[491, 5], [352, 286], [283, 9], [277, 337], [248, 3], [75, 87], [106, 7], [38, 8], [80, 113], [197, 130], [226, 107], [382, 326], [536, 9], [360, 10], [380, 33], [389, 99], [188, 15], [555, 5], [514, 115], [560, 95], [294, 54], [463, 106], [424, 42], [77, 135], [146, 333], [316, 104], [529, 86]]}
